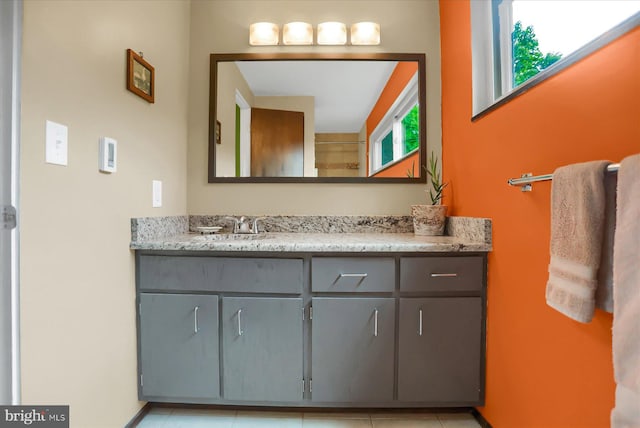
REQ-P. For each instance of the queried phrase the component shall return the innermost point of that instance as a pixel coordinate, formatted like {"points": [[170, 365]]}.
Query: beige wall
{"points": [[305, 105], [78, 343], [78, 331], [222, 26], [229, 80]]}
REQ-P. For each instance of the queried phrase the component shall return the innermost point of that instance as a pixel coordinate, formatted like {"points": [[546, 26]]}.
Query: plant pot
{"points": [[429, 220]]}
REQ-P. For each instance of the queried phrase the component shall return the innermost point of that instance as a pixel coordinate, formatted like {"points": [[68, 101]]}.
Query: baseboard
{"points": [[138, 416], [316, 409], [481, 420]]}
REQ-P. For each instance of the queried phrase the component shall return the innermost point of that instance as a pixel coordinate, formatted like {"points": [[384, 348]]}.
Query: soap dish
{"points": [[208, 229]]}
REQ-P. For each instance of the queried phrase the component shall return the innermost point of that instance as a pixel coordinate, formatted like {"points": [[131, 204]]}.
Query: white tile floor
{"points": [[191, 418]]}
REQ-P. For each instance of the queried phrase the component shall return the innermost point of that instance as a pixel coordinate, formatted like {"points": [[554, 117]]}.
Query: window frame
{"points": [[488, 71], [392, 122]]}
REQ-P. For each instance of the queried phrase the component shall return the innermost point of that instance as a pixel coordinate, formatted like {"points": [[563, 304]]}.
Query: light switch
{"points": [[157, 193], [56, 143]]}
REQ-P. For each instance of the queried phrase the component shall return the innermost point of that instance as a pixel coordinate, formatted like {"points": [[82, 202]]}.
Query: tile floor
{"points": [[194, 418]]}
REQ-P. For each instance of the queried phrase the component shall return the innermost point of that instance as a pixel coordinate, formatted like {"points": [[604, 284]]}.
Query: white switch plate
{"points": [[157, 194], [56, 141]]}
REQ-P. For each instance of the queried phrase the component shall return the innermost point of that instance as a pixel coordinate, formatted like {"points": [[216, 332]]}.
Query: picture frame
{"points": [[140, 76], [218, 132]]}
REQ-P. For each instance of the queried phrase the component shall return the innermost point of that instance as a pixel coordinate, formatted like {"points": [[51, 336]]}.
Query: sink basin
{"points": [[231, 237]]}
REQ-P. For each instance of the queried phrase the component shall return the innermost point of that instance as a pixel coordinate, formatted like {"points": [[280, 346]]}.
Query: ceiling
{"points": [[344, 91]]}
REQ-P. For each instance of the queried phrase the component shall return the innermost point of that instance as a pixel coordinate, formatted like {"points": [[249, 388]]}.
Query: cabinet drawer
{"points": [[441, 274], [352, 274], [221, 274]]}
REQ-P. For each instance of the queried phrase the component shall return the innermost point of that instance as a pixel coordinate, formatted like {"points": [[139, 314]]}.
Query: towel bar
{"points": [[524, 182]]}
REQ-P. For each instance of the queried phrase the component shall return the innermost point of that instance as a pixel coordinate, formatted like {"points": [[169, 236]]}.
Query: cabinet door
{"points": [[440, 350], [352, 350], [179, 346], [262, 348]]}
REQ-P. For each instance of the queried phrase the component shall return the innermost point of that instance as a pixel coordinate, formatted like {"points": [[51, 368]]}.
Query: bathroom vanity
{"points": [[312, 319]]}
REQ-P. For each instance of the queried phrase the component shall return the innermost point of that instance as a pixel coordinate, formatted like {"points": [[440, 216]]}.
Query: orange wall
{"points": [[398, 80], [543, 369], [411, 163]]}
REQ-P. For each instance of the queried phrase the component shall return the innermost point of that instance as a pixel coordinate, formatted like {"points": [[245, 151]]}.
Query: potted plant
{"points": [[430, 219]]}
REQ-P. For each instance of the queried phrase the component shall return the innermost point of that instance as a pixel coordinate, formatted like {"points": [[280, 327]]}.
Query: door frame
{"points": [[10, 82], [244, 135]]}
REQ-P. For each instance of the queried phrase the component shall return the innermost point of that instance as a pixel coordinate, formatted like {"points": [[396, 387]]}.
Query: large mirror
{"points": [[317, 118]]}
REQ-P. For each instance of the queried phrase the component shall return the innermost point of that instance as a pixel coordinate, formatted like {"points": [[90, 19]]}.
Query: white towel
{"points": [[577, 225], [626, 278], [626, 413]]}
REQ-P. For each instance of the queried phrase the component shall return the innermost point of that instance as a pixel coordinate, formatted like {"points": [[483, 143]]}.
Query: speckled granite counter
{"points": [[465, 234]]}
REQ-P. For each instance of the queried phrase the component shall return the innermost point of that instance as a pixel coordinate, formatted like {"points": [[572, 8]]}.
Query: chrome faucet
{"points": [[243, 225], [254, 224]]}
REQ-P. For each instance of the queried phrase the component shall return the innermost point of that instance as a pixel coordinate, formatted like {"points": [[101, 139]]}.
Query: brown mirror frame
{"points": [[213, 87]]}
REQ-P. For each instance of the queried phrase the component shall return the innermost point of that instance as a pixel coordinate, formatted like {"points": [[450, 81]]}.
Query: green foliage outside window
{"points": [[411, 128], [528, 60]]}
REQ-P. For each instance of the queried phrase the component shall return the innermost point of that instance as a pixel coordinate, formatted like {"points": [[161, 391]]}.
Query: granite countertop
{"points": [[316, 242], [465, 234]]}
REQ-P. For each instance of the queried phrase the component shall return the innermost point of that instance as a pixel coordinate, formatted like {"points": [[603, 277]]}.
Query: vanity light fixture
{"points": [[332, 33], [297, 33], [365, 33], [263, 34], [301, 33]]}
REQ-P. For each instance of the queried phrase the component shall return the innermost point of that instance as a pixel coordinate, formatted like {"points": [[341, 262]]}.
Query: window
{"points": [[398, 133], [518, 43]]}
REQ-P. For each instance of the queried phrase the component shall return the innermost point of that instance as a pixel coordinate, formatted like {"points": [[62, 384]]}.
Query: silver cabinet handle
{"points": [[195, 319], [443, 275], [420, 322], [353, 275], [362, 276], [375, 322], [240, 322]]}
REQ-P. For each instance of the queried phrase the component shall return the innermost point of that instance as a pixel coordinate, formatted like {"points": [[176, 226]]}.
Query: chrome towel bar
{"points": [[524, 182]]}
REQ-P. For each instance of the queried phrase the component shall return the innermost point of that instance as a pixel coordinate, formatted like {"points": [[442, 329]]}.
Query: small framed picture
{"points": [[218, 132], [140, 76]]}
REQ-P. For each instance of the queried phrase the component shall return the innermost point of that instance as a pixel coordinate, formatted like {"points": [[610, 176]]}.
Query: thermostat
{"points": [[107, 156]]}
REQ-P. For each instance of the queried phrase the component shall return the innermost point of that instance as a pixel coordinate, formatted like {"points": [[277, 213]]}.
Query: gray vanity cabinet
{"points": [[352, 350], [262, 348], [179, 347], [440, 350], [383, 330]]}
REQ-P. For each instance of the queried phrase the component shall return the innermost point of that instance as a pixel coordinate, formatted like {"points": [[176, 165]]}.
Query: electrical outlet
{"points": [[156, 194]]}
